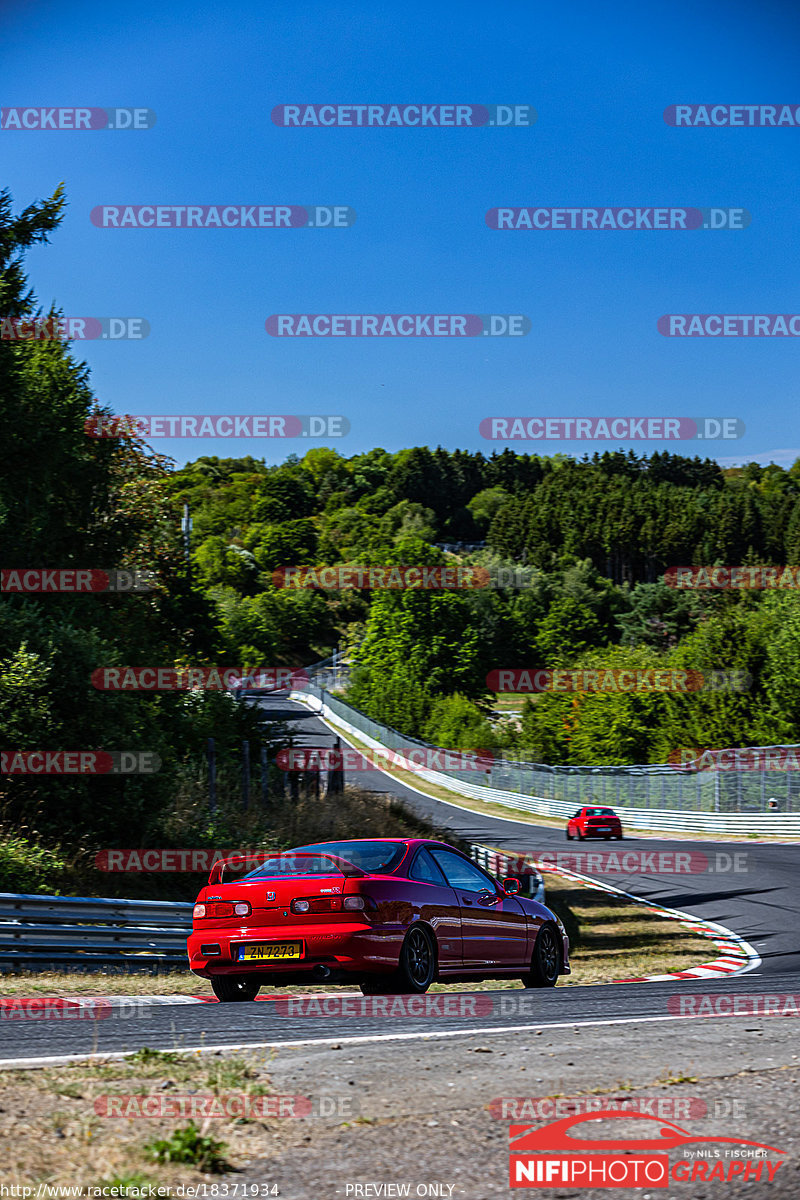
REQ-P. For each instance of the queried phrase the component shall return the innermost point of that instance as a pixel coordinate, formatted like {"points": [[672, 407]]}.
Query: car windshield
{"points": [[369, 856]]}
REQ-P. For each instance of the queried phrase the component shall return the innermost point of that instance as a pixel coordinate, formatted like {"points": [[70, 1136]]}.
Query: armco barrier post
{"points": [[212, 775], [245, 775]]}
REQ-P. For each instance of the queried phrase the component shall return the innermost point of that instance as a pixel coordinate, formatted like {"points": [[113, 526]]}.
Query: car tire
{"points": [[230, 989], [617, 837], [569, 836], [416, 969], [546, 958], [581, 836]]}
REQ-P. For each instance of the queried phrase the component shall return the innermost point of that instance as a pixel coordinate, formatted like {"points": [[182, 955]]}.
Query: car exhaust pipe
{"points": [[320, 971]]}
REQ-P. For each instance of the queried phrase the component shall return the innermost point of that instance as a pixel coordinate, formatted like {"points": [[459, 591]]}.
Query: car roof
{"points": [[398, 841]]}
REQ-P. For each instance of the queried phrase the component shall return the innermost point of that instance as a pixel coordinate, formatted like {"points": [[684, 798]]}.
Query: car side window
{"points": [[577, 814], [460, 873], [425, 869]]}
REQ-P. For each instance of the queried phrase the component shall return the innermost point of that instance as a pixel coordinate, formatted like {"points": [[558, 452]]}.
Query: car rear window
{"points": [[599, 812], [380, 857]]}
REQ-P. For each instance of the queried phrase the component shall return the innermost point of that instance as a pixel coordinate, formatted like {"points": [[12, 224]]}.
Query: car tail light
{"points": [[327, 904], [222, 909]]}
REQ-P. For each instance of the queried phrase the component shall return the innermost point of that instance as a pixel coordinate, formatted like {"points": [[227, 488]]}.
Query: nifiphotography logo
{"points": [[550, 1157]]}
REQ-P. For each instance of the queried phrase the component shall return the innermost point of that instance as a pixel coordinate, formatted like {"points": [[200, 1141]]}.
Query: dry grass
{"points": [[51, 1132]]}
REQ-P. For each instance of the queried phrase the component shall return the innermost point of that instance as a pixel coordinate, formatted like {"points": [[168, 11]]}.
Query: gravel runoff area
{"points": [[426, 1107]]}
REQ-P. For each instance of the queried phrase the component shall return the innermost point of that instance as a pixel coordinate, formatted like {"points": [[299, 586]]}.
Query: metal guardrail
{"points": [[579, 786], [83, 933], [505, 866]]}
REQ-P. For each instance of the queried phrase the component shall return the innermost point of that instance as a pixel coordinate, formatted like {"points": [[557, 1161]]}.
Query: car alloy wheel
{"points": [[417, 962], [546, 958], [232, 988], [416, 970]]}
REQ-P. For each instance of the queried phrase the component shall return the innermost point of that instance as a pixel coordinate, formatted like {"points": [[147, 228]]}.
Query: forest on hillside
{"points": [[589, 538]]}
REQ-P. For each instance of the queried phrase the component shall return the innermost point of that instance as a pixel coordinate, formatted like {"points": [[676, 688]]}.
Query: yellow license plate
{"points": [[274, 950]]}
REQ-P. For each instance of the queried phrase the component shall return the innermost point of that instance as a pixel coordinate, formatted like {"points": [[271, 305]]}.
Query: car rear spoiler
{"points": [[346, 868]]}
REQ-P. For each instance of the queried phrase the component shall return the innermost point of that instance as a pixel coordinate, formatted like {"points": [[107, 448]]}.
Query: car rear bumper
{"points": [[346, 947]]}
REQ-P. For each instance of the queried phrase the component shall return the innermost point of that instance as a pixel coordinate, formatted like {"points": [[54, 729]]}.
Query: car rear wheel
{"points": [[546, 958], [580, 835], [569, 835], [416, 969], [230, 988]]}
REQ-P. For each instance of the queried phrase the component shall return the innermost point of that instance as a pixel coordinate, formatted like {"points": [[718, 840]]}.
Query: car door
{"points": [[439, 906], [494, 928]]}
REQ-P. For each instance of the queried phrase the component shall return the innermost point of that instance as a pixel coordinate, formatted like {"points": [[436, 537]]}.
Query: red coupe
{"points": [[594, 822], [391, 914]]}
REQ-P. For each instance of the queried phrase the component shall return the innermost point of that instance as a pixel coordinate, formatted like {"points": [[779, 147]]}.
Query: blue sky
{"points": [[599, 77]]}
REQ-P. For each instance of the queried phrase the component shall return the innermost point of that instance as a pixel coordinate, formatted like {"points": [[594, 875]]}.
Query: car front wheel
{"points": [[231, 988], [546, 958]]}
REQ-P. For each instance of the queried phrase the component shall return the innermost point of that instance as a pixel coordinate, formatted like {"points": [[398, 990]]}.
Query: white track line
{"points": [[58, 1060]]}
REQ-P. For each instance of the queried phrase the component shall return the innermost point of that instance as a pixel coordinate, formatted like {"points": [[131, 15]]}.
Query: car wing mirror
{"points": [[511, 887]]}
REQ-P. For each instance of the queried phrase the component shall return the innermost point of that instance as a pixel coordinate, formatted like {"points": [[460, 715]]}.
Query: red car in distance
{"points": [[391, 914], [594, 822]]}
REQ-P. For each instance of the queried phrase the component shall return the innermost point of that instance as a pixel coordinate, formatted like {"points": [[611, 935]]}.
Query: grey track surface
{"points": [[215, 1025]]}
